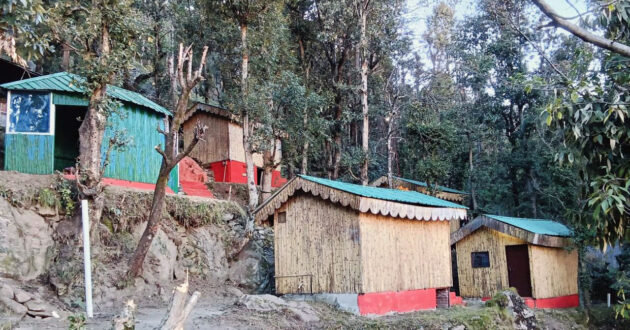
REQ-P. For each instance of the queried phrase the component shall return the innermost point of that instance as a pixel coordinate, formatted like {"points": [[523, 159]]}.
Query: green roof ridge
{"points": [[537, 226], [424, 184], [394, 195], [61, 82]]}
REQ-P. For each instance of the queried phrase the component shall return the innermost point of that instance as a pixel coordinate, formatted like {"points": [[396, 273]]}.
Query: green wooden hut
{"points": [[43, 119]]}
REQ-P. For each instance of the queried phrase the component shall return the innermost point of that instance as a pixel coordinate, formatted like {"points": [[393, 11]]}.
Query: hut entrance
{"points": [[518, 269], [67, 122]]}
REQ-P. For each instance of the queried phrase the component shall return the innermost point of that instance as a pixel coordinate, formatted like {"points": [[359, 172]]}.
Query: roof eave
{"points": [[356, 202], [505, 228]]}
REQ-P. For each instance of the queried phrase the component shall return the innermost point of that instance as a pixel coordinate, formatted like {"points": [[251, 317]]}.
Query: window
{"points": [[480, 259], [29, 113], [282, 217]]}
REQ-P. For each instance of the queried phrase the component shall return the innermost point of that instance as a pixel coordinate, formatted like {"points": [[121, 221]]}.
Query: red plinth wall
{"points": [[554, 302], [381, 303], [236, 172], [558, 302], [125, 183]]}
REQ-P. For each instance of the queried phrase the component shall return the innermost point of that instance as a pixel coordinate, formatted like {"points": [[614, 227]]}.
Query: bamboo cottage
{"points": [[438, 191], [42, 134], [388, 250], [497, 252], [222, 150]]}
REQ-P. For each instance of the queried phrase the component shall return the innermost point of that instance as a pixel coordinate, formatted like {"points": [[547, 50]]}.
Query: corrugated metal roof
{"points": [[394, 195], [537, 226], [67, 82], [424, 184]]}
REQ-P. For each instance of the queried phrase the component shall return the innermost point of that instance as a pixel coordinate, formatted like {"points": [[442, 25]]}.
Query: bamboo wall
{"points": [[215, 148], [399, 254], [138, 161], [237, 151], [483, 282], [455, 224], [321, 239], [554, 271]]}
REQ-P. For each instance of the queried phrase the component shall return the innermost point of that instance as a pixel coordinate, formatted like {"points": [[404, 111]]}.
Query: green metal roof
{"points": [[394, 195], [68, 83], [424, 184], [536, 226]]}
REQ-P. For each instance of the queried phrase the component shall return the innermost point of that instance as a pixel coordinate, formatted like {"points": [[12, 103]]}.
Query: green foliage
{"points": [[23, 33], [589, 108]]}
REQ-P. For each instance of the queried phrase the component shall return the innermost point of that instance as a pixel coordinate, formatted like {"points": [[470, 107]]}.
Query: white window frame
{"points": [[51, 124]]}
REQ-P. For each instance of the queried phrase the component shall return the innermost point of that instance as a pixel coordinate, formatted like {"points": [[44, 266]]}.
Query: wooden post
{"points": [[87, 262]]}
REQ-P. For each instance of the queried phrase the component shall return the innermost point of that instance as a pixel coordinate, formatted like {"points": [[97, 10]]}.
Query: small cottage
{"points": [[42, 130], [497, 252], [382, 250], [438, 191], [222, 152]]}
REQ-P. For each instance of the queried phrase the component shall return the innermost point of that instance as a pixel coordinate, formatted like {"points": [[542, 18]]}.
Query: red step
{"points": [[193, 188]]}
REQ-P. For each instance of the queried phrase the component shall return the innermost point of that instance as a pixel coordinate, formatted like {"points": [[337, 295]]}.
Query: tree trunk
{"points": [[305, 146], [531, 189], [91, 134], [65, 59], [247, 127], [304, 167], [269, 165], [170, 157], [179, 309], [153, 224], [364, 98], [473, 195], [127, 319], [390, 151], [266, 182]]}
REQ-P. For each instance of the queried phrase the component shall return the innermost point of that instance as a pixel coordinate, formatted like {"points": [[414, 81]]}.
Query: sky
{"points": [[419, 10]]}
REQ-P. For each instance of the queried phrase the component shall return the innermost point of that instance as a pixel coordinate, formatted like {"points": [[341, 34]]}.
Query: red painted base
{"points": [[189, 170], [530, 302], [554, 302], [125, 183], [559, 302], [193, 188], [454, 300], [236, 172], [381, 303]]}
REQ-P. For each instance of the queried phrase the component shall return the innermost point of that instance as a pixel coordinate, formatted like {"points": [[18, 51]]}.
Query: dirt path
{"points": [[219, 311]]}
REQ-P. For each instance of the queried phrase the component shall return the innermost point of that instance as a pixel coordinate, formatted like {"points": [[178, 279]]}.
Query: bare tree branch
{"points": [[580, 32]]}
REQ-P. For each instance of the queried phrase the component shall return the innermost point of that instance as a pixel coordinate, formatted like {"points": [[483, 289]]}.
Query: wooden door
{"points": [[518, 269]]}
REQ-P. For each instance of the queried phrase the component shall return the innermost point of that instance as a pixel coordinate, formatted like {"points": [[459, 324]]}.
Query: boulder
{"points": [[254, 267], [21, 296], [6, 291], [523, 317], [25, 242], [36, 306], [161, 260], [204, 253], [13, 307]]}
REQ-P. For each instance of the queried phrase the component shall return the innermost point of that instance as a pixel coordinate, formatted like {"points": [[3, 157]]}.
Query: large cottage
{"points": [[387, 250]]}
